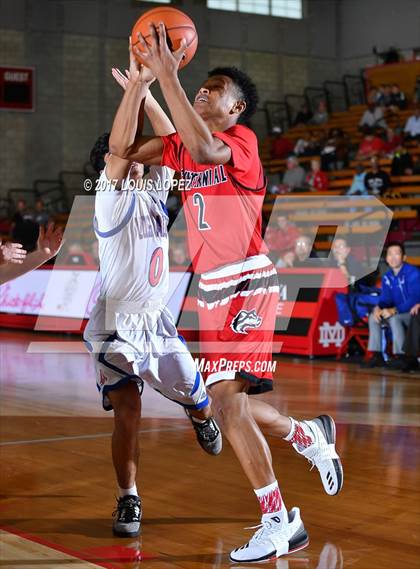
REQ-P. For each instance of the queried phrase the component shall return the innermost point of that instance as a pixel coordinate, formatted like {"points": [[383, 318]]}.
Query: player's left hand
{"points": [[50, 240], [157, 56]]}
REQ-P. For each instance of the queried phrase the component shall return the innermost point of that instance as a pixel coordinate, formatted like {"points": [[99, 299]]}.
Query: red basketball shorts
{"points": [[237, 312]]}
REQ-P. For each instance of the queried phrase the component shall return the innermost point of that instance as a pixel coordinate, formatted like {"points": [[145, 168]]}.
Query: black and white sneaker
{"points": [[273, 539], [208, 434], [127, 517], [322, 454]]}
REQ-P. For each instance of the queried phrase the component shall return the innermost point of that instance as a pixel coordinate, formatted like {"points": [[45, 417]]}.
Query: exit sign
{"points": [[17, 88]]}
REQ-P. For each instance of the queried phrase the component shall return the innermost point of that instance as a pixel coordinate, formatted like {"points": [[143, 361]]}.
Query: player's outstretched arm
{"points": [[161, 123], [126, 140], [194, 133], [49, 244]]}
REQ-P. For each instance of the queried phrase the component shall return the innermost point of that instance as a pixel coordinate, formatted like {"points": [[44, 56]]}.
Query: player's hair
{"points": [[97, 154], [395, 244], [247, 88]]}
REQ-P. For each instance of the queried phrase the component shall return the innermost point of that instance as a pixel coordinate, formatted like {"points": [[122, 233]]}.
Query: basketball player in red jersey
{"points": [[238, 290]]}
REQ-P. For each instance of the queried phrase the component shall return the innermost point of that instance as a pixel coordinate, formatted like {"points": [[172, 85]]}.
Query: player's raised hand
{"points": [[157, 56], [50, 240], [12, 253]]}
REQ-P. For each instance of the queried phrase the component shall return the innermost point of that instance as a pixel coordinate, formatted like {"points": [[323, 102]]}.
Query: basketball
{"points": [[178, 26]]}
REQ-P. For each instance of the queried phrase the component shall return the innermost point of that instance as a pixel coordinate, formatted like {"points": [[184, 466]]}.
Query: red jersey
{"points": [[222, 202]]}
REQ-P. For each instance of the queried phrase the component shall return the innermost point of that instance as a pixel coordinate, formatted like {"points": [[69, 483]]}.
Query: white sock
{"points": [[292, 430], [127, 491], [197, 420]]}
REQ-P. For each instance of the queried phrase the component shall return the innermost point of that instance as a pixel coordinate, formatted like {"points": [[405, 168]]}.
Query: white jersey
{"points": [[131, 226]]}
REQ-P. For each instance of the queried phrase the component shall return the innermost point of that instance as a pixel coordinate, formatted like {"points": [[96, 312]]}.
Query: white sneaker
{"points": [[323, 455], [273, 539]]}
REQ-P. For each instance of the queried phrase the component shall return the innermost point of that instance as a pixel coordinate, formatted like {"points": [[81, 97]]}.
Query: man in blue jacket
{"points": [[400, 292]]}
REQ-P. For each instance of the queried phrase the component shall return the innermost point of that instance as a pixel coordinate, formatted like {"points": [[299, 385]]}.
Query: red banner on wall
{"points": [[17, 88]]}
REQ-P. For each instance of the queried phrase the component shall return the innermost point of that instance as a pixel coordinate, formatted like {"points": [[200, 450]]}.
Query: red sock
{"points": [[300, 434], [270, 498]]}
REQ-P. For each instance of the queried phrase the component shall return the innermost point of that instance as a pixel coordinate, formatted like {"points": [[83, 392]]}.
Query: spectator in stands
{"points": [[416, 165], [308, 145], [303, 253], [76, 255], [398, 100], [280, 237], [383, 95], [343, 259], [41, 215], [316, 179], [371, 145], [294, 177], [392, 141], [372, 117], [358, 184], [177, 254], [321, 114], [377, 181], [402, 162], [411, 345], [371, 96], [281, 146], [334, 154], [24, 229], [303, 116], [412, 126], [400, 293]]}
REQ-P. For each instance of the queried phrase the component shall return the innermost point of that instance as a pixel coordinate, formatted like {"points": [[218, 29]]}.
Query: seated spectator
{"points": [[317, 180], [24, 229], [392, 141], [383, 96], [76, 255], [371, 145], [400, 293], [344, 260], [280, 237], [302, 255], [398, 100], [321, 114], [416, 165], [412, 126], [303, 116], [411, 345], [41, 215], [334, 154], [281, 146], [294, 177], [178, 255], [372, 117], [377, 181], [402, 162], [358, 184], [371, 96]]}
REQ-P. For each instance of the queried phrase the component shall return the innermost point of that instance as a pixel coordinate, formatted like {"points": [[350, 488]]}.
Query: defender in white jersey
{"points": [[131, 334]]}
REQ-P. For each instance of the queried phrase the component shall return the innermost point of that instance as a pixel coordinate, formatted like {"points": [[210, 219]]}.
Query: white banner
{"points": [[71, 293]]}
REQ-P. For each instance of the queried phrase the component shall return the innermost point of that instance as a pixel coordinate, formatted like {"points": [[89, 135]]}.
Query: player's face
{"points": [[136, 171], [217, 98], [394, 257]]}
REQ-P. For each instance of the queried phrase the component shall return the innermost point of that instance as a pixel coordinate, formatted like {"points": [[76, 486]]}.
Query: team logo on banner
{"points": [[331, 334], [245, 319]]}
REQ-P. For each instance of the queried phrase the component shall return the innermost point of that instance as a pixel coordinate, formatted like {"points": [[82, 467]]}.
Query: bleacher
{"points": [[403, 198]]}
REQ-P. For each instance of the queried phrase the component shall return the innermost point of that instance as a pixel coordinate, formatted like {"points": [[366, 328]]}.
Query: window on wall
{"points": [[281, 8]]}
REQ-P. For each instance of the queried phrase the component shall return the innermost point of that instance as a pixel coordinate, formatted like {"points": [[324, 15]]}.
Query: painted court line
{"points": [[20, 549], [83, 437]]}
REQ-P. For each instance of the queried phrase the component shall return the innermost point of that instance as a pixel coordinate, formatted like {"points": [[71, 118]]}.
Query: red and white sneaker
{"points": [[273, 539], [322, 454]]}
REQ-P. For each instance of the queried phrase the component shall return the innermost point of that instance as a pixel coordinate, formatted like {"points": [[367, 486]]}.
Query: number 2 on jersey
{"points": [[198, 201], [156, 266]]}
